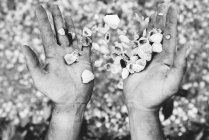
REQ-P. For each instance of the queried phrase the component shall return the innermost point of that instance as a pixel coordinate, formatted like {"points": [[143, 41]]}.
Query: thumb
{"points": [[176, 74], [32, 61]]}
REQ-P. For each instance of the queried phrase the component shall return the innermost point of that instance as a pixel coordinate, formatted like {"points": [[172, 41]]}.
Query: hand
{"points": [[148, 89], [60, 82]]}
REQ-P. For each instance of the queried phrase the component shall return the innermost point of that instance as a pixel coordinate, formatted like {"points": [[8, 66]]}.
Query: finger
{"points": [[169, 40], [161, 16], [152, 21], [59, 26], [32, 62], [177, 71], [73, 40], [46, 30], [86, 49]]}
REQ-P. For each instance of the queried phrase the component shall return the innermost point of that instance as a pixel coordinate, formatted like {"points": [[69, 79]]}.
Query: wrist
{"points": [[74, 112], [138, 110]]}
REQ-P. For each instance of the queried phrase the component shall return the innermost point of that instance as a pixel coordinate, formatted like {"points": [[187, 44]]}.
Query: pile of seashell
{"points": [[132, 55]]}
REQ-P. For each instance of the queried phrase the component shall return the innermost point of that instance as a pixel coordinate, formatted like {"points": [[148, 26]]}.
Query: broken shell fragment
{"points": [[87, 32], [156, 38], [124, 39], [125, 73], [70, 58], [61, 31], [112, 21], [87, 76], [157, 47]]}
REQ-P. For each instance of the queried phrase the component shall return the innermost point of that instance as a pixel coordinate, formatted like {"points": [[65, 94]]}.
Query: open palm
{"points": [[62, 83], [161, 79]]}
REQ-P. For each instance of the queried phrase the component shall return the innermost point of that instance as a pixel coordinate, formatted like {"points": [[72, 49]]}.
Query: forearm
{"points": [[66, 122], [144, 125]]}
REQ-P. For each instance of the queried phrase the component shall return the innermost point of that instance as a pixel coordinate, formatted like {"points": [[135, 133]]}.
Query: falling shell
{"points": [[87, 76], [125, 73], [87, 32], [124, 39], [112, 21]]}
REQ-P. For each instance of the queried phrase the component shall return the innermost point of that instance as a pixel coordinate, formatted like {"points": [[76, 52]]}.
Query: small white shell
{"points": [[137, 68], [147, 48], [61, 31], [117, 60], [87, 32], [142, 54], [157, 47], [86, 41], [156, 38], [70, 58], [87, 76], [141, 62], [125, 73], [130, 67], [112, 21], [72, 35], [133, 59], [104, 30], [124, 39]]}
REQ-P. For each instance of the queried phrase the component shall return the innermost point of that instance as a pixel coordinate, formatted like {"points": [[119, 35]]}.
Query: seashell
{"points": [[144, 55], [147, 48], [125, 73], [61, 31], [130, 68], [143, 40], [141, 62], [86, 41], [156, 38], [104, 30], [70, 58], [133, 59], [72, 35], [137, 68], [87, 76], [124, 39], [108, 66], [87, 32], [107, 37], [157, 47], [144, 32], [112, 21], [118, 49], [115, 69], [121, 32], [117, 60]]}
